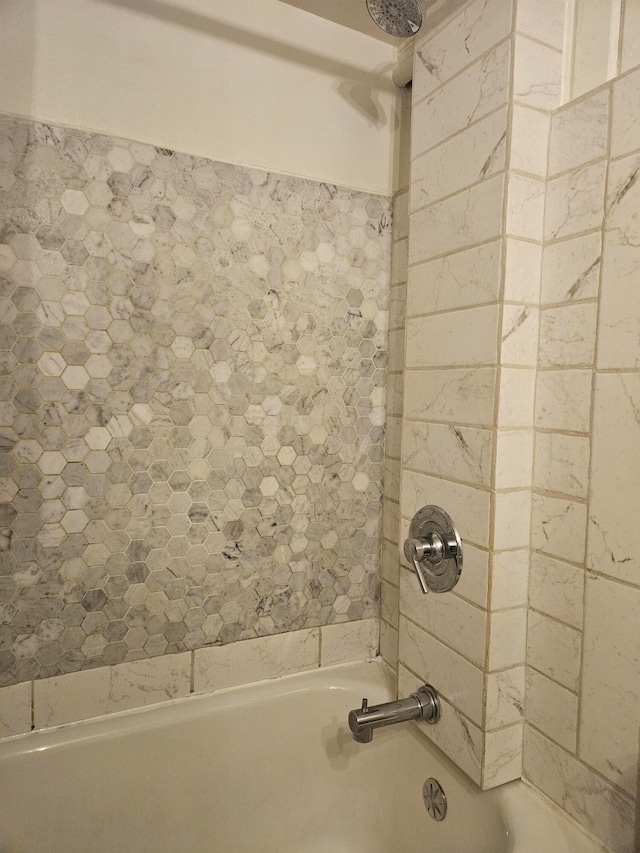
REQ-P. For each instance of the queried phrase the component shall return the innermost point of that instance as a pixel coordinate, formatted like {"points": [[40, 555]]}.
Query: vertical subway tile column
{"points": [[459, 150], [537, 43], [485, 84], [391, 514], [192, 401], [584, 585]]}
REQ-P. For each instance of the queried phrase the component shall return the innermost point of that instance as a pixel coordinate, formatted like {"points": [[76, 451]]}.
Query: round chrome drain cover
{"points": [[435, 799]]}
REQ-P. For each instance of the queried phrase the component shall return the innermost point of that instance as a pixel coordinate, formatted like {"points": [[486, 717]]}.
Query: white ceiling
{"points": [[349, 13]]}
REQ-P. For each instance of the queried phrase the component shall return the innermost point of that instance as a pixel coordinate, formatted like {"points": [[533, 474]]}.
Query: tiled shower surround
{"points": [[192, 401]]}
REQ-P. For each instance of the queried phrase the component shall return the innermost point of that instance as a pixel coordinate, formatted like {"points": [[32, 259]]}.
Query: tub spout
{"points": [[421, 705]]}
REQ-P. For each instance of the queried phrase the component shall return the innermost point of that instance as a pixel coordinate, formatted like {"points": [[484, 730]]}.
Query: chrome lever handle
{"points": [[421, 578], [417, 550], [414, 552]]}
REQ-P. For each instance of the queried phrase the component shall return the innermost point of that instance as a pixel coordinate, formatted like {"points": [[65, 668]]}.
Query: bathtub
{"points": [[267, 768]]}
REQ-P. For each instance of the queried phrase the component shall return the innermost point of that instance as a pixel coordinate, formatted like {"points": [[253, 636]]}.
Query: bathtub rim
{"points": [[363, 677], [193, 705]]}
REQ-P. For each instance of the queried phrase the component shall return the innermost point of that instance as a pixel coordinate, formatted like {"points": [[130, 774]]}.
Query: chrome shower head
{"points": [[400, 18]]}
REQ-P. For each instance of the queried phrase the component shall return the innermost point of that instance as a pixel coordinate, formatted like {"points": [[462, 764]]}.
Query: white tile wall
{"points": [[459, 280], [611, 664], [476, 92], [479, 26], [15, 709], [94, 692], [599, 806]]}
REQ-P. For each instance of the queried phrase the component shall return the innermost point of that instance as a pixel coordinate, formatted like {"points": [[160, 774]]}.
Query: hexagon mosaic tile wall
{"points": [[193, 363]]}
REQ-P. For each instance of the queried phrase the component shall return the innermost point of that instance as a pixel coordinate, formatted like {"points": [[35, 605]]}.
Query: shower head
{"points": [[400, 18]]}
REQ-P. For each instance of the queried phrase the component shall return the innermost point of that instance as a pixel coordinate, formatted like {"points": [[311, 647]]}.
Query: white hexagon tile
{"points": [[193, 360]]}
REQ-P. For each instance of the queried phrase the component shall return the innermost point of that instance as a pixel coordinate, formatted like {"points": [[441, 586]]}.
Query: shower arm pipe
{"points": [[402, 74]]}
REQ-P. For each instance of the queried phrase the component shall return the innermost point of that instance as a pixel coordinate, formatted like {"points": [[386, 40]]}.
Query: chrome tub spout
{"points": [[421, 705]]}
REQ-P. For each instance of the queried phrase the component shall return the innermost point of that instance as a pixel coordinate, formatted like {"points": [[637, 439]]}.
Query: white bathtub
{"points": [[268, 768]]}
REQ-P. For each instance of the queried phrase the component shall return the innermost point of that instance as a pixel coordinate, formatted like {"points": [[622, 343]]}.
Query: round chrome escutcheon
{"points": [[435, 799]]}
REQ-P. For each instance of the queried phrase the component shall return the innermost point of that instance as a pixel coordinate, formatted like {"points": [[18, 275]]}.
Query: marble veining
{"points": [[478, 27]]}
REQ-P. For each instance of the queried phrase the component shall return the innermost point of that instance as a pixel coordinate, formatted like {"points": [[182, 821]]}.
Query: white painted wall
{"points": [[256, 82]]}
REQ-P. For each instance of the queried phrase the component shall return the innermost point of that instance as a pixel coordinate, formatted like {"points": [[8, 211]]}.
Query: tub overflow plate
{"points": [[435, 799]]}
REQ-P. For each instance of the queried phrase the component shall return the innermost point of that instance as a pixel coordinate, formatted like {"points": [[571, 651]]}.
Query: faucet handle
{"points": [[365, 705]]}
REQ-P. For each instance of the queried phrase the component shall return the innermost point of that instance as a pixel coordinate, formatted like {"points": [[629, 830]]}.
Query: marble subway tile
{"points": [[568, 335], [449, 451], [395, 393], [389, 644], [553, 649], [610, 668], [94, 692], [505, 696], [478, 27], [476, 92], [399, 261], [390, 562], [396, 350], [349, 641], [390, 603], [529, 141], [390, 520], [470, 217], [467, 337], [519, 338], [474, 580], [509, 579], [219, 667], [579, 133], [516, 397], [397, 309], [575, 201], [522, 271], [391, 479], [625, 126], [563, 400], [557, 589], [502, 756], [469, 506], [543, 20], [393, 436], [401, 215], [512, 520], [508, 639], [558, 527], [514, 459], [571, 269], [455, 679], [600, 807], [614, 537], [15, 709], [453, 621], [552, 709], [562, 464], [467, 158], [455, 735], [537, 74], [458, 396], [630, 47], [618, 332], [525, 207], [459, 280]]}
